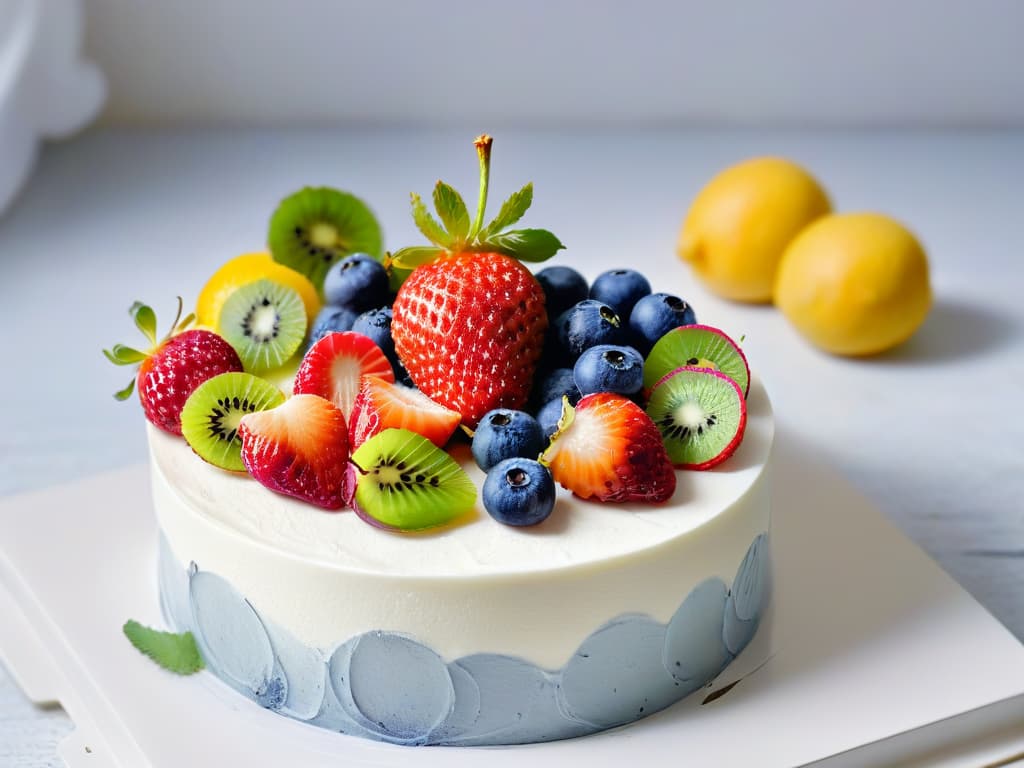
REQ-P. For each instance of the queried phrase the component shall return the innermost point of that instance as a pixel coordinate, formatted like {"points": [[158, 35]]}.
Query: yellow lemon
{"points": [[246, 269], [740, 223], [854, 283]]}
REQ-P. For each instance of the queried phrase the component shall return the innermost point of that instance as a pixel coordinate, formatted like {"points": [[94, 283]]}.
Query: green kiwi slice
{"points": [[209, 420], [317, 226], [398, 479], [701, 414], [265, 322], [697, 346]]}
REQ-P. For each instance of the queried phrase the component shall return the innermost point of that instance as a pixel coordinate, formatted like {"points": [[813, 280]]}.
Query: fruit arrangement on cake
{"points": [[327, 382]]}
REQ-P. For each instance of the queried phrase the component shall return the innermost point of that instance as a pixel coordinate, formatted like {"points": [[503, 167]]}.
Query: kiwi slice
{"points": [[696, 346], [701, 414], [265, 322], [209, 420], [317, 226], [403, 481]]}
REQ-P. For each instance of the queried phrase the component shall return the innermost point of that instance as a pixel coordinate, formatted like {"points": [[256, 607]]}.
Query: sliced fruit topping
{"points": [[210, 418], [382, 405], [701, 414], [265, 322], [607, 448], [697, 346], [315, 227], [334, 365], [519, 491], [171, 369], [300, 449], [245, 269], [400, 480]]}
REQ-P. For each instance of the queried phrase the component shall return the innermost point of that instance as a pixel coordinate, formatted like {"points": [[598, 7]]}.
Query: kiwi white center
{"points": [[263, 322], [323, 234], [689, 413]]}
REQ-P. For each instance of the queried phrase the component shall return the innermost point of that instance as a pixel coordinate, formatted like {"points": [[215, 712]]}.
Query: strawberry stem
{"points": [[483, 149]]}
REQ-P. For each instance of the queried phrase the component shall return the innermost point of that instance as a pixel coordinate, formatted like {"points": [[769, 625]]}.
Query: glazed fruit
{"points": [[519, 492], [245, 269], [855, 283], [299, 449], [741, 222], [563, 287], [381, 405], [700, 346], [655, 315], [173, 367], [358, 282], [265, 322], [212, 413], [334, 365], [701, 414], [620, 289], [400, 480], [585, 325], [505, 434], [331, 320], [608, 449], [469, 321], [608, 368]]}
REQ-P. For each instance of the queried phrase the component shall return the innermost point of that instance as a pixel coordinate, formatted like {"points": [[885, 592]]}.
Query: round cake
{"points": [[475, 633]]}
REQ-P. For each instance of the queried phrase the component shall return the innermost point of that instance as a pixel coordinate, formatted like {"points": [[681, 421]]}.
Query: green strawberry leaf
{"points": [[119, 354], [524, 244], [512, 210], [410, 258], [125, 393], [452, 210], [145, 320], [175, 653], [185, 323], [427, 224]]}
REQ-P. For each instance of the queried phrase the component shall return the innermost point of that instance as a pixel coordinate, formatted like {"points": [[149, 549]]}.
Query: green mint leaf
{"points": [[523, 244], [452, 210], [512, 210], [125, 393], [410, 258], [427, 224], [175, 653], [145, 320]]}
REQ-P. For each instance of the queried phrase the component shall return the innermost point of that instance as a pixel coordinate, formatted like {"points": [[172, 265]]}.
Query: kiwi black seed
{"points": [[406, 482], [317, 226], [265, 322], [209, 420]]}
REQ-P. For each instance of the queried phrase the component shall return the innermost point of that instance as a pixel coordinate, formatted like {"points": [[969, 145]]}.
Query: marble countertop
{"points": [[930, 432]]}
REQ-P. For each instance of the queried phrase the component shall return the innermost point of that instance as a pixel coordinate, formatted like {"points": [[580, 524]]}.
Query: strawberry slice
{"points": [[334, 365], [608, 449], [299, 449], [381, 405]]}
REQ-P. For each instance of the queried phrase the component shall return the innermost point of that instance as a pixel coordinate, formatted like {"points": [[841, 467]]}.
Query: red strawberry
{"points": [[173, 367], [333, 366], [607, 448], [469, 321], [299, 449], [381, 405]]}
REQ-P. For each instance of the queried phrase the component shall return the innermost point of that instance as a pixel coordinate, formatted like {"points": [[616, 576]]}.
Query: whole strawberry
{"points": [[469, 321], [173, 367]]}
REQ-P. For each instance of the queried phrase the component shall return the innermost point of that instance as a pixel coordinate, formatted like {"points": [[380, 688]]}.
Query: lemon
{"points": [[245, 269], [854, 283], [740, 223]]}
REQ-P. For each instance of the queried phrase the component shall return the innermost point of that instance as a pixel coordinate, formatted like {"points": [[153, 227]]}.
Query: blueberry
{"points": [[505, 434], [329, 320], [359, 282], [519, 492], [548, 417], [585, 324], [376, 324], [563, 287], [620, 289], [607, 368], [555, 384], [655, 315]]}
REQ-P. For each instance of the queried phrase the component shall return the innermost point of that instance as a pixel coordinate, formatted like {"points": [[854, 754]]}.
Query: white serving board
{"points": [[878, 653]]}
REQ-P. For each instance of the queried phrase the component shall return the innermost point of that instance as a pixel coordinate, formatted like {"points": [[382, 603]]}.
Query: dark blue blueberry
{"points": [[655, 315], [586, 324], [554, 385], [376, 324], [548, 417], [329, 320], [620, 289], [359, 282], [563, 287], [505, 434], [607, 368], [519, 492]]}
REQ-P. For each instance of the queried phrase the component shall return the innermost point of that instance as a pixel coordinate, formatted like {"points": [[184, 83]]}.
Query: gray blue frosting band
{"points": [[386, 686]]}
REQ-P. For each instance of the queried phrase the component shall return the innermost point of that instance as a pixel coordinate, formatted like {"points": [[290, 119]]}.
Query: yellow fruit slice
{"points": [[740, 223], [245, 269], [854, 283]]}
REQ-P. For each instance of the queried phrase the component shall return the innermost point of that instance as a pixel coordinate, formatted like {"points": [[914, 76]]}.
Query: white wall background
{"points": [[785, 62]]}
